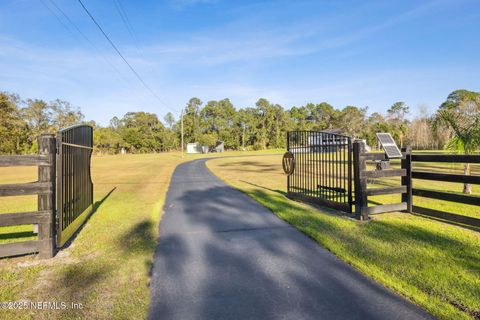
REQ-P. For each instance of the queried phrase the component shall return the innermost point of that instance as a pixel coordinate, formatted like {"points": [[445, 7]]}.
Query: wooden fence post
{"points": [[360, 181], [46, 201], [407, 179]]}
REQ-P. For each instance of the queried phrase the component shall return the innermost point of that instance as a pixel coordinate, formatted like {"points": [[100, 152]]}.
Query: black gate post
{"points": [[349, 174], [360, 181], [407, 179], [288, 149]]}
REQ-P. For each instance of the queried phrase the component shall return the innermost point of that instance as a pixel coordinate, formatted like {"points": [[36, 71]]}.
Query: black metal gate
{"points": [[74, 183], [322, 168]]}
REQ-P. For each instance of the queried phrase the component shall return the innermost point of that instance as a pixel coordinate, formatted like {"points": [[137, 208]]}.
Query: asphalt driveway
{"points": [[223, 256]]}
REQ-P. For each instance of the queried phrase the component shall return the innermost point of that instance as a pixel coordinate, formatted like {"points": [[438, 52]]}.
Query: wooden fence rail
{"points": [[361, 175], [445, 196], [406, 189], [44, 188]]}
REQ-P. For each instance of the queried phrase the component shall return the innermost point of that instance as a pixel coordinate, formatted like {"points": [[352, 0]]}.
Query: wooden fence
{"points": [[406, 187], [361, 175], [44, 188], [446, 177]]}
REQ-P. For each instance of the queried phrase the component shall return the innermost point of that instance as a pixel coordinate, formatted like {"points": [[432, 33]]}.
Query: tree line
{"points": [[22, 121], [455, 124]]}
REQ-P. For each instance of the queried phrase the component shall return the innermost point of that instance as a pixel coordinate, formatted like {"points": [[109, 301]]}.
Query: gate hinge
{"points": [[59, 144], [57, 224]]}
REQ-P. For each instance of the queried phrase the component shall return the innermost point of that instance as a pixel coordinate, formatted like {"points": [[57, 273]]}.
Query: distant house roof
{"points": [[333, 130]]}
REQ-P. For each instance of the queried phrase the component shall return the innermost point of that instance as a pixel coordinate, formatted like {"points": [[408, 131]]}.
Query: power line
{"points": [[82, 34], [123, 58], [123, 15], [122, 8], [57, 17]]}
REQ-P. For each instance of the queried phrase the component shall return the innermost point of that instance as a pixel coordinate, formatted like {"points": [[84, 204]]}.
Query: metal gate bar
{"points": [[74, 183], [323, 168]]}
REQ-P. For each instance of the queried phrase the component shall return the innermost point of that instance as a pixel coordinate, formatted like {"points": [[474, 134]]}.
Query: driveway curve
{"points": [[221, 255]]}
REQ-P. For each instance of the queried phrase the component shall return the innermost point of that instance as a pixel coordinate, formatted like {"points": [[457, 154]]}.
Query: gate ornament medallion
{"points": [[288, 162]]}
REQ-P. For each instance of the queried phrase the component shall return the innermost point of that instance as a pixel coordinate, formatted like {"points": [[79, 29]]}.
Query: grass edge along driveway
{"points": [[433, 264]]}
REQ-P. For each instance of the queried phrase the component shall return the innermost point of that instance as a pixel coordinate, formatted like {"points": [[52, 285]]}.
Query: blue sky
{"points": [[363, 53]]}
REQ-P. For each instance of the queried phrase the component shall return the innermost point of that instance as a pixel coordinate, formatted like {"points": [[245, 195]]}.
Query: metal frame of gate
{"points": [[323, 169], [74, 183]]}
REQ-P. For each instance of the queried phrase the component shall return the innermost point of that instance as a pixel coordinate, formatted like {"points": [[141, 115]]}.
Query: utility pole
{"points": [[243, 138], [182, 130]]}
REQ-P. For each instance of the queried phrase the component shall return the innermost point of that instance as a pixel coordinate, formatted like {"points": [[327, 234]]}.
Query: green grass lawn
{"points": [[106, 268], [434, 264]]}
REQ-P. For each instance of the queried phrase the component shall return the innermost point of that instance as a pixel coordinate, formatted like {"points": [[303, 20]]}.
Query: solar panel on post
{"points": [[389, 145]]}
